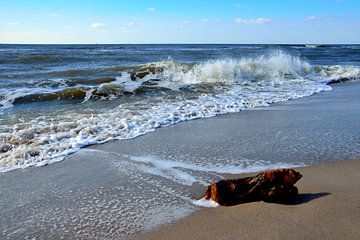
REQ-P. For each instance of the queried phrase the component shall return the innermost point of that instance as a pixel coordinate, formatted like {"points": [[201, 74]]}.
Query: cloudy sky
{"points": [[181, 21]]}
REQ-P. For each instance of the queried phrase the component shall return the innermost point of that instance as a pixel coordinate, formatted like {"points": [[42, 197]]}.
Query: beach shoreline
{"points": [[123, 188], [327, 208]]}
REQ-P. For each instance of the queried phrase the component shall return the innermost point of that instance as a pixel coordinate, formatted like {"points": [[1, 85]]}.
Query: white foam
{"points": [[123, 83], [186, 173], [336, 72], [312, 46], [205, 203], [243, 166], [267, 68], [248, 83]]}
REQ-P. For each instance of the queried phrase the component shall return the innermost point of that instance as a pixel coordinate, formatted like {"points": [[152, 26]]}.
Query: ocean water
{"points": [[56, 99]]}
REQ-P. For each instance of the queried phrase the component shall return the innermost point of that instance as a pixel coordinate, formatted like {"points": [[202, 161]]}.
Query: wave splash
{"points": [[275, 68], [195, 91]]}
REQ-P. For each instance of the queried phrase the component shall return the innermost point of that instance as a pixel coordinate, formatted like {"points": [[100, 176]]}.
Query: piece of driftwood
{"points": [[269, 186]]}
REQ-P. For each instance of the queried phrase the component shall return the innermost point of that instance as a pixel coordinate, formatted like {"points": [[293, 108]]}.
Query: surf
{"points": [[140, 98]]}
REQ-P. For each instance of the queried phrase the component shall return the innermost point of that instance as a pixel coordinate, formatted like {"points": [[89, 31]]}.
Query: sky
{"points": [[181, 21]]}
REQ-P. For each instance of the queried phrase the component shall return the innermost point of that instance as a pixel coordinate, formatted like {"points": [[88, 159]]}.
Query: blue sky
{"points": [[182, 21]]}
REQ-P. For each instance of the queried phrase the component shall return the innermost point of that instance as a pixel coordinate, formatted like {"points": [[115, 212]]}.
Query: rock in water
{"points": [[33, 153], [4, 148], [270, 186]]}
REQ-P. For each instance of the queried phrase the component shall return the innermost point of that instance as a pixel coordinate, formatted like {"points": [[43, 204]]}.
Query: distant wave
{"points": [[317, 45]]}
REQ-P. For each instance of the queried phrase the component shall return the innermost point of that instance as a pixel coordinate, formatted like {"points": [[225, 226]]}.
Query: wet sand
{"points": [[102, 193], [328, 208]]}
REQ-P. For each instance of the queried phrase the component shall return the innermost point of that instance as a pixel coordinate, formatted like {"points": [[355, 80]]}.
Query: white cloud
{"points": [[205, 20], [13, 23], [54, 15], [130, 24], [97, 25], [151, 9], [313, 18], [259, 21], [69, 27]]}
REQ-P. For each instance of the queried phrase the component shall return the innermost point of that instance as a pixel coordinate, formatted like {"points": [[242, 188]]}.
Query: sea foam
{"points": [[199, 90]]}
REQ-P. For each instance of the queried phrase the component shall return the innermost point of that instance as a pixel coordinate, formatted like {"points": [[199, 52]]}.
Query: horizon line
{"points": [[179, 43]]}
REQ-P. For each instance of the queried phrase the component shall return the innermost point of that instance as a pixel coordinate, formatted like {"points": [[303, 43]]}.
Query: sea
{"points": [[58, 99]]}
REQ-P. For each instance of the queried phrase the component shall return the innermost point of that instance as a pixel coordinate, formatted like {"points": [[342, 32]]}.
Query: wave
{"points": [[80, 93], [183, 173], [197, 91], [316, 45], [34, 72], [276, 69], [39, 59]]}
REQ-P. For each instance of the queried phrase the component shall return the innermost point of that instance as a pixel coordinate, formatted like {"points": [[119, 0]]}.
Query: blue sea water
{"points": [[56, 99]]}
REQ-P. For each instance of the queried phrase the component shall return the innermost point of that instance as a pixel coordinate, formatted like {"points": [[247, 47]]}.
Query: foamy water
{"points": [[119, 107]]}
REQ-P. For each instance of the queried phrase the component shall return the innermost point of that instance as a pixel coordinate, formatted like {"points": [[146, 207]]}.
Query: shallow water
{"points": [[118, 189], [56, 99]]}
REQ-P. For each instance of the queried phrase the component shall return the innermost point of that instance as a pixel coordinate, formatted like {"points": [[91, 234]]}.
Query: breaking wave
{"points": [[192, 91], [275, 69]]}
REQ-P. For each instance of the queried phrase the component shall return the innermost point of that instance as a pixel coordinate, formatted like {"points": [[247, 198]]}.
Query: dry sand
{"points": [[328, 208]]}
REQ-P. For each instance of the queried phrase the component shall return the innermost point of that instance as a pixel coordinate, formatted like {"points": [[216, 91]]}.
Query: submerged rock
{"points": [[33, 153], [5, 147]]}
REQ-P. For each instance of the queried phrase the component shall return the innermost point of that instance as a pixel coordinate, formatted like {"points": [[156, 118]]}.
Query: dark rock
{"points": [[33, 153], [4, 148]]}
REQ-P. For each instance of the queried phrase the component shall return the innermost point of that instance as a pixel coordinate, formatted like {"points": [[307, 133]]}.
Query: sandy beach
{"points": [[328, 208]]}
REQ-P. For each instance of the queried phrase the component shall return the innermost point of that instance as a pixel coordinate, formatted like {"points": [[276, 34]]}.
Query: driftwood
{"points": [[269, 186]]}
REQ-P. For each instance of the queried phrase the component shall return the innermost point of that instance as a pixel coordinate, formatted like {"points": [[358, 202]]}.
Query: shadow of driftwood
{"points": [[300, 199], [307, 197]]}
